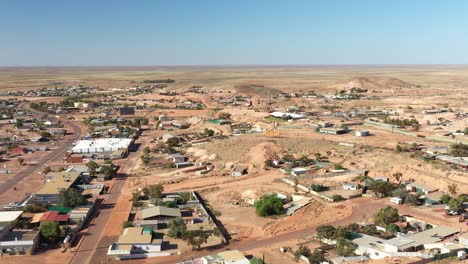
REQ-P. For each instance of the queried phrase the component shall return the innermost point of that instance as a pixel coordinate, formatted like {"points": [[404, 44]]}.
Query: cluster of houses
{"points": [[145, 237], [48, 92], [26, 238], [426, 244]]}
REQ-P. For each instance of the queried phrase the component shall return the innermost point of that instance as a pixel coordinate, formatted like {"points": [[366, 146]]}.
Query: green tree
{"points": [[345, 247], [50, 230], [386, 216], [92, 167], [45, 134], [445, 198], [145, 158], [456, 204], [316, 257], [269, 205], [177, 228], [393, 228], [369, 230], [459, 150], [302, 251], [108, 171], [255, 260], [154, 191], [453, 189], [326, 231], [381, 188], [70, 198]]}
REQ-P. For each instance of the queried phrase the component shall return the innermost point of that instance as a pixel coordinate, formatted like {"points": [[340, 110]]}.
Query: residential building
{"points": [[55, 182], [226, 257], [161, 213], [135, 242], [351, 186], [239, 170], [333, 130], [362, 133], [419, 187]]}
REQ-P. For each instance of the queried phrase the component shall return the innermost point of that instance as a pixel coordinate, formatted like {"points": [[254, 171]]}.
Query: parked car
{"points": [[451, 212]]}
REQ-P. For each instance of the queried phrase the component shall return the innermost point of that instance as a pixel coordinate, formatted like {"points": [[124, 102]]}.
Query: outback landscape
{"points": [[279, 164]]}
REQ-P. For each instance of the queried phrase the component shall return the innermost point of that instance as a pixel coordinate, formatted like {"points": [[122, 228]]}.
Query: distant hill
{"points": [[259, 90], [373, 83]]}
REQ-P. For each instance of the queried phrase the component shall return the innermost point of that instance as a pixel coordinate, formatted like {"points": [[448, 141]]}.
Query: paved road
{"points": [[62, 147], [94, 244]]}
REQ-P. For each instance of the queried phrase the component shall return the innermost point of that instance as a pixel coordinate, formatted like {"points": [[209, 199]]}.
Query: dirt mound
{"points": [[256, 89], [259, 154], [373, 83]]}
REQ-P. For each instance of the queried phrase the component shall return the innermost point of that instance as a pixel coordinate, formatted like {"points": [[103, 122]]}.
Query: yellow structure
{"points": [[272, 133]]}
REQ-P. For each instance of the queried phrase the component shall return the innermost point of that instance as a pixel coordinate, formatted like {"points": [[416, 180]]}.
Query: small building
{"points": [[161, 213], [135, 242], [75, 158], [226, 257], [382, 178], [463, 239], [166, 137], [333, 130], [433, 198], [362, 133], [396, 200], [55, 182], [298, 171], [181, 124], [162, 118], [351, 186], [177, 158], [126, 111], [54, 216], [239, 170], [421, 188], [18, 150], [20, 241]]}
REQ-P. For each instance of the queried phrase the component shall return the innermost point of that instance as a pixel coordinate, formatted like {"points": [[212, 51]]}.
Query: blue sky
{"points": [[232, 32]]}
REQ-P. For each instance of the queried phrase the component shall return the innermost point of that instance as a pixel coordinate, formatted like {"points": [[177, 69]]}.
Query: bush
{"points": [[269, 205], [338, 167], [317, 187], [126, 224], [337, 197]]}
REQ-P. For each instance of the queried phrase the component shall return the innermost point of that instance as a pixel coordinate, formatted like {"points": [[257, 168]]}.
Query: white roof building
{"points": [[101, 145], [9, 216]]}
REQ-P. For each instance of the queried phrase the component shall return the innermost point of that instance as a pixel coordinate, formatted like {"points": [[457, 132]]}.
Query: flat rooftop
{"points": [[101, 145], [58, 181]]}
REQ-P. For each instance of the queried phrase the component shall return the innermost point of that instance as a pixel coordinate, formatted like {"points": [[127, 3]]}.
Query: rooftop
{"points": [[160, 211], [54, 216], [138, 235], [8, 216], [58, 181], [101, 144]]}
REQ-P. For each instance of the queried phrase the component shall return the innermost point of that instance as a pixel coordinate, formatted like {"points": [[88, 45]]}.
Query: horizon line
{"points": [[233, 65]]}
